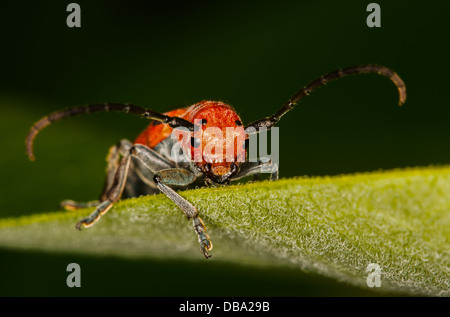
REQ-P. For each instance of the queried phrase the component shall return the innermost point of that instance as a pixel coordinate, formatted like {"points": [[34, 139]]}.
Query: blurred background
{"points": [[253, 55]]}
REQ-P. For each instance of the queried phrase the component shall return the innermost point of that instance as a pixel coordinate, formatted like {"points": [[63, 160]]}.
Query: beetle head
{"points": [[217, 143]]}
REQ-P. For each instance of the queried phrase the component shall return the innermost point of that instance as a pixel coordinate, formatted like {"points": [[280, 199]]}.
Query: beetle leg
{"points": [[113, 160], [74, 205], [177, 177], [256, 168], [189, 210], [113, 193]]}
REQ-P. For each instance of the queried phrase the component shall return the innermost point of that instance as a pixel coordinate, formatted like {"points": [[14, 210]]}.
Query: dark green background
{"points": [[253, 55]]}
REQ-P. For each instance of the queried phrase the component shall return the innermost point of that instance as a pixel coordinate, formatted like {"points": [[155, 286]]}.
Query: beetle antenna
{"points": [[268, 122], [174, 122]]}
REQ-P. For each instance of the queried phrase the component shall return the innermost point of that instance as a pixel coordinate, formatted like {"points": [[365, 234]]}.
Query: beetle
{"points": [[146, 165]]}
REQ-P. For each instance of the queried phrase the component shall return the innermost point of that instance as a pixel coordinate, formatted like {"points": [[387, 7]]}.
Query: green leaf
{"points": [[330, 226]]}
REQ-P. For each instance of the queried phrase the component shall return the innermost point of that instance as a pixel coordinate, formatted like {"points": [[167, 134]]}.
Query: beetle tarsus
{"points": [[205, 247], [90, 220], [87, 222], [81, 224], [203, 238]]}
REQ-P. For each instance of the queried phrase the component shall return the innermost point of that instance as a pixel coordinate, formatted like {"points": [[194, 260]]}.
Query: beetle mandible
{"points": [[145, 166]]}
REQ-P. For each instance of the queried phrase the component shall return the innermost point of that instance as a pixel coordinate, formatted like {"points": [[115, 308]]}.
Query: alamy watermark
{"points": [[374, 276], [74, 278], [74, 18], [214, 145], [373, 19]]}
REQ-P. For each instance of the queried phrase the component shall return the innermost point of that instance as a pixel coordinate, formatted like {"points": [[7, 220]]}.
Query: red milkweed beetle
{"points": [[145, 166]]}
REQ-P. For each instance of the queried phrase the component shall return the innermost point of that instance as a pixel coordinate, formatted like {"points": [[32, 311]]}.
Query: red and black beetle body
{"points": [[147, 165]]}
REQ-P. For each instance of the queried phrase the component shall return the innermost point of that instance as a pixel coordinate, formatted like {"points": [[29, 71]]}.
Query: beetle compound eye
{"points": [[204, 121], [195, 142], [238, 123]]}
